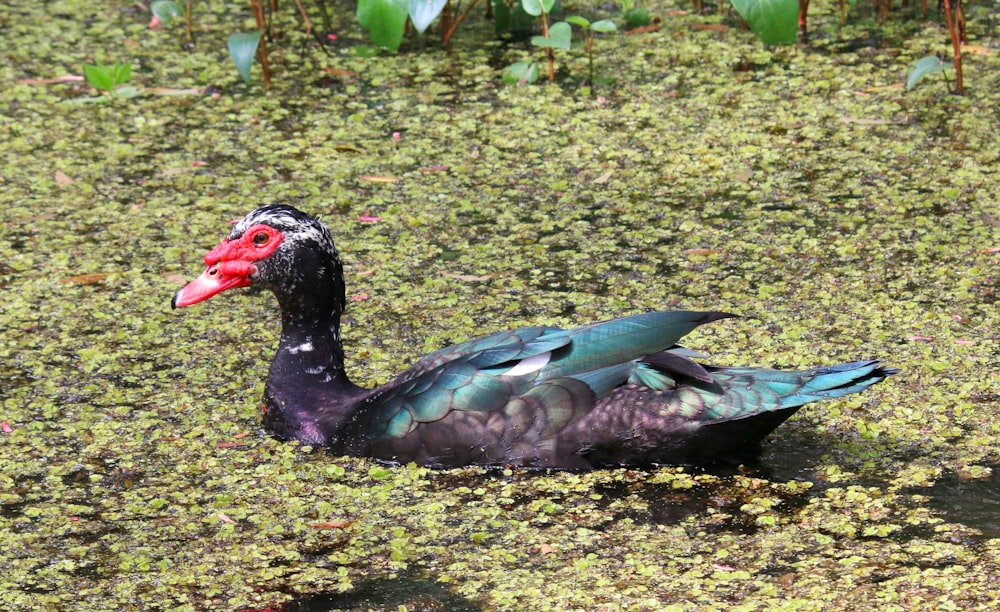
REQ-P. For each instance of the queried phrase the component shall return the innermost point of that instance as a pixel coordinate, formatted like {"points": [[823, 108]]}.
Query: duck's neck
{"points": [[308, 394]]}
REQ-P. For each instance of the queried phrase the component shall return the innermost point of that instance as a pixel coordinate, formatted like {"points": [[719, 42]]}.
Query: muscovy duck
{"points": [[614, 393]]}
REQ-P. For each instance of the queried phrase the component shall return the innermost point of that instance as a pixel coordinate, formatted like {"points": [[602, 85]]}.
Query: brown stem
{"points": [[305, 17], [956, 44], [960, 20], [265, 68], [548, 50], [446, 21], [447, 33], [803, 10]]}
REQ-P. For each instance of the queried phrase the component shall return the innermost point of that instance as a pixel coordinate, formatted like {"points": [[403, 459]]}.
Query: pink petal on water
{"points": [[6, 428], [369, 219], [359, 297]]}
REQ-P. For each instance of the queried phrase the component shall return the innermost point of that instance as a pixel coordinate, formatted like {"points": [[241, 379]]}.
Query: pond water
{"points": [[801, 187]]}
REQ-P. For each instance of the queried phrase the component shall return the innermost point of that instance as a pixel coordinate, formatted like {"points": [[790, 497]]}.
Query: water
{"points": [[971, 502]]}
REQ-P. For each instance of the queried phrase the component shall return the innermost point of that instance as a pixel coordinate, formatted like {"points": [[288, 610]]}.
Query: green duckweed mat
{"points": [[802, 187]]}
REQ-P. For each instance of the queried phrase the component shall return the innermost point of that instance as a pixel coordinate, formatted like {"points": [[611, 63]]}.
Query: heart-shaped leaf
{"points": [[385, 21], [604, 25], [423, 12], [243, 48], [165, 10], [776, 22], [537, 7], [560, 35], [583, 22], [925, 66], [520, 72]]}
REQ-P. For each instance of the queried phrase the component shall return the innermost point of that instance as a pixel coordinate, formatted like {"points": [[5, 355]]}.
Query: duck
{"points": [[615, 393]]}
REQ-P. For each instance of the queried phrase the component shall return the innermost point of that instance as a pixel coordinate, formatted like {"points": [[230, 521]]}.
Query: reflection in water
{"points": [[405, 591], [972, 502]]}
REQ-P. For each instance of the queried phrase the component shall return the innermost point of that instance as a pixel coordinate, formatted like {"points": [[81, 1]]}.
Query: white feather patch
{"points": [[529, 365], [305, 347]]}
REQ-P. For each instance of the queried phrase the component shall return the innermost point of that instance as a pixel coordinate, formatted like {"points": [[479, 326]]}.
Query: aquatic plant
{"points": [[109, 79], [776, 22], [386, 20], [955, 20], [551, 38], [925, 66], [602, 26], [773, 21], [243, 46], [634, 16], [557, 36], [164, 12]]}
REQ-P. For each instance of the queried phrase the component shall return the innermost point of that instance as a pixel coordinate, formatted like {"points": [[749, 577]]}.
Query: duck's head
{"points": [[278, 247]]}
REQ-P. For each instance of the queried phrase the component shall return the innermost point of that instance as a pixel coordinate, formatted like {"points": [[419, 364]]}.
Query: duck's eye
{"points": [[260, 239]]}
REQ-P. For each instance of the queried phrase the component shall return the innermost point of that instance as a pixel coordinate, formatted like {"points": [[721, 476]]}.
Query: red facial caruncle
{"points": [[230, 265]]}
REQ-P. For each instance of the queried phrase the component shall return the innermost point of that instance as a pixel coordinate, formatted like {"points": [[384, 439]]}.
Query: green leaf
{"points": [[165, 10], [423, 12], [559, 37], [242, 48], [604, 25], [520, 72], [636, 17], [385, 21], [121, 73], [501, 15], [923, 67], [537, 7], [127, 92], [100, 77], [776, 22], [583, 22]]}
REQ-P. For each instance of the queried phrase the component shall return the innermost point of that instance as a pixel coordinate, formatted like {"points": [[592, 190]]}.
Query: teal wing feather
{"points": [[458, 378], [622, 340], [482, 375], [652, 421], [751, 391]]}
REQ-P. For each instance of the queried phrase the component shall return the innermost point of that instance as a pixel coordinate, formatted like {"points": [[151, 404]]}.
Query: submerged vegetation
{"points": [[801, 186]]}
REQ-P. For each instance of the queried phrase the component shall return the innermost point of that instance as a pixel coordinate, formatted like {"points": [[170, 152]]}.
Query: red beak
{"points": [[211, 282]]}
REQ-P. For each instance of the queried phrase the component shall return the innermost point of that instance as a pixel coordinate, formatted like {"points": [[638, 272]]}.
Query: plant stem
{"points": [[258, 13], [590, 55], [956, 44], [305, 16], [803, 10], [448, 32], [548, 50], [187, 22]]}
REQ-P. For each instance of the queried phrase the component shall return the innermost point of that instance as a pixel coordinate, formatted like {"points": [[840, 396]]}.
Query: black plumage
{"points": [[619, 392]]}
